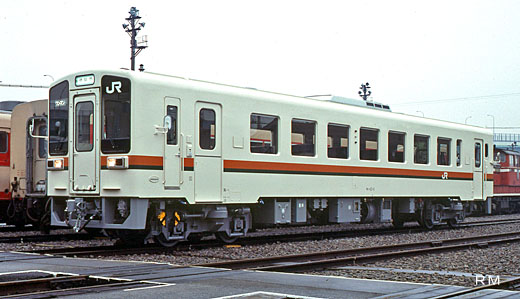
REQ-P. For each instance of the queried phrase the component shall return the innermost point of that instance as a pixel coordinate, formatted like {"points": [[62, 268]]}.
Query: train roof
{"points": [[276, 97]]}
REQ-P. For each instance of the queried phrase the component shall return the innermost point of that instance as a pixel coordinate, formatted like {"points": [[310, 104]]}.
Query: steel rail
{"points": [[322, 260]]}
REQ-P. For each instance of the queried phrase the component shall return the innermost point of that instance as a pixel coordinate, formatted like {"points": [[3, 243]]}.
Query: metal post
{"points": [[492, 116], [132, 31]]}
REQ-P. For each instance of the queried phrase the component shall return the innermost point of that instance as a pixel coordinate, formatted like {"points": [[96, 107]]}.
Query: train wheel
{"points": [[225, 238], [427, 223], [453, 223], [397, 223], [164, 242], [194, 238]]}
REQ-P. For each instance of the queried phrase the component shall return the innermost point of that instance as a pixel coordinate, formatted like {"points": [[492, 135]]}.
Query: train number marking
{"points": [[115, 86], [444, 175]]}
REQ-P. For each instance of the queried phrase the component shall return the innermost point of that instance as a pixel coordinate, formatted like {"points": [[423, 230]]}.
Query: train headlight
{"points": [[117, 162], [56, 164]]}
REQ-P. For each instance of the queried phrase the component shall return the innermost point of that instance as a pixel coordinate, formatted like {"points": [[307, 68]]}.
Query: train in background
{"points": [[23, 157], [506, 181]]}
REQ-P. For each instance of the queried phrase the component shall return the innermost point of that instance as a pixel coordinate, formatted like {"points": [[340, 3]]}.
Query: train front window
{"points": [[116, 115], [42, 145], [59, 119]]}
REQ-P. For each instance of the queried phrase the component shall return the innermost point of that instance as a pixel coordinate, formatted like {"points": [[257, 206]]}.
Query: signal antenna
{"points": [[366, 92]]}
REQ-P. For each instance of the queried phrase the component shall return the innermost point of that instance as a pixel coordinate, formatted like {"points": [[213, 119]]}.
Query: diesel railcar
{"points": [[144, 155], [506, 189], [23, 156], [28, 163], [5, 155]]}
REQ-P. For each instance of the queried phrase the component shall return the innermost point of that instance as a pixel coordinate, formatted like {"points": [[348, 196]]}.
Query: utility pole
{"points": [[366, 92], [132, 31]]}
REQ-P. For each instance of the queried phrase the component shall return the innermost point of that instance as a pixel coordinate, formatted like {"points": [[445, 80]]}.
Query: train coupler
{"points": [[79, 209]]}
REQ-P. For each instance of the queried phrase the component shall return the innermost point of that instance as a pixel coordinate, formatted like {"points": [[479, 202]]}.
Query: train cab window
{"points": [[396, 146], [478, 154], [303, 136], [115, 109], [443, 151], [459, 149], [84, 126], [486, 150], [171, 135], [337, 141], [4, 142], [420, 147], [207, 132], [263, 132], [368, 146], [59, 119], [42, 145]]}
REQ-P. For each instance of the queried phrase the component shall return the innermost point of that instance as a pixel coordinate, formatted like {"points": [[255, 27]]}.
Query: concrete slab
{"points": [[170, 281]]}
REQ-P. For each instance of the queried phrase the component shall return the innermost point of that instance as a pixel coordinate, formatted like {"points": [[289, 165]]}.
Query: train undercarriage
{"points": [[173, 220]]}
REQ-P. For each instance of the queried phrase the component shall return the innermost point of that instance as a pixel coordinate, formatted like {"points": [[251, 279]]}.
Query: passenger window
{"points": [[337, 141], [459, 149], [42, 144], [84, 126], [368, 147], [420, 148], [396, 146], [478, 154], [171, 135], [207, 129], [4, 142], [443, 151], [303, 136], [263, 137]]}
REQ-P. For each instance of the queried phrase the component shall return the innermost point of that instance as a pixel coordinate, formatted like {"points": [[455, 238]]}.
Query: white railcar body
{"points": [[216, 145]]}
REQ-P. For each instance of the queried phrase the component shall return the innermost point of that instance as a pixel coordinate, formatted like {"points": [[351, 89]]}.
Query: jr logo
{"points": [[115, 86], [444, 175]]}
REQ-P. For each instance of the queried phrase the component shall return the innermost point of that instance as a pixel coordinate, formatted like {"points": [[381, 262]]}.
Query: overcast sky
{"points": [[449, 60]]}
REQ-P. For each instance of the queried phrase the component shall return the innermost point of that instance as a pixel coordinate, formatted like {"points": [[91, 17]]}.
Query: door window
{"points": [[207, 129], [84, 126], [478, 154], [171, 135]]}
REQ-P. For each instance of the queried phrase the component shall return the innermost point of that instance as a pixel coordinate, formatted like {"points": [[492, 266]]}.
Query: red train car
{"points": [[506, 178], [5, 154]]}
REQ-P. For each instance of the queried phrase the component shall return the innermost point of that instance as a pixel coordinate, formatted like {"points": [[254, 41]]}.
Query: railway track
{"points": [[45, 238], [330, 259], [252, 240]]}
